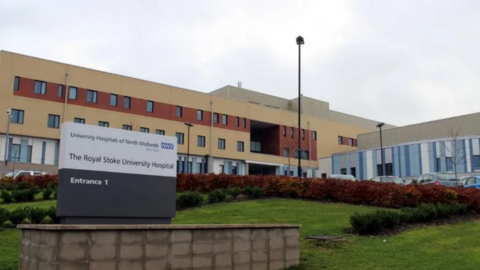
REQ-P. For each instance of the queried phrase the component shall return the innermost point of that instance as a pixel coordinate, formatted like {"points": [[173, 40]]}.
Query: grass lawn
{"points": [[442, 247]]}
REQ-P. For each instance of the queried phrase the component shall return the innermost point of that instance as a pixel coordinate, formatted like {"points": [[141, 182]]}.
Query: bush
{"points": [[4, 215], [6, 196], [47, 193], [234, 192], [52, 214], [47, 220], [216, 196], [254, 192], [189, 199], [229, 198], [389, 219], [25, 195], [35, 215], [368, 223], [241, 197], [18, 216], [8, 186]]}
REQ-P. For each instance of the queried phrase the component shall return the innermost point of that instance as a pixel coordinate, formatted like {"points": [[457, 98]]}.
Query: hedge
{"points": [[359, 192]]}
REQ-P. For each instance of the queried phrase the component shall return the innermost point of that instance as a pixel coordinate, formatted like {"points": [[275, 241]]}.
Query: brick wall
{"points": [[146, 247]]}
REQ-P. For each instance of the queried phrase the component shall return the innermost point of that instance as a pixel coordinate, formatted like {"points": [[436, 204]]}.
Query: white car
{"points": [[17, 173], [343, 177]]}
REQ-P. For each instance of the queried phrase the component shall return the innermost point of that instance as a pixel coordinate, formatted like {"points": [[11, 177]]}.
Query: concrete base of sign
{"points": [[132, 247], [129, 221]]}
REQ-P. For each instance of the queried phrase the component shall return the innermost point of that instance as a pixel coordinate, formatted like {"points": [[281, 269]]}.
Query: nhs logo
{"points": [[168, 146]]}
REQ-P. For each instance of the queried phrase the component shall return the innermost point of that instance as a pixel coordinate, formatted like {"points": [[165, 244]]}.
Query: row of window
{"points": [[40, 87], [292, 133], [201, 142], [351, 142], [304, 154]]}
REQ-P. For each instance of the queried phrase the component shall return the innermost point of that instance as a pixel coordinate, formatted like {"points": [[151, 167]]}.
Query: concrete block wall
{"points": [[148, 247]]}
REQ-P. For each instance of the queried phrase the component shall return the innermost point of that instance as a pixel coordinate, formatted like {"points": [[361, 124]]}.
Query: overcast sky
{"points": [[401, 62]]}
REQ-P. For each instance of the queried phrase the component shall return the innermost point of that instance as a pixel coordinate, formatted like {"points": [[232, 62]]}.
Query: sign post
{"points": [[114, 176]]}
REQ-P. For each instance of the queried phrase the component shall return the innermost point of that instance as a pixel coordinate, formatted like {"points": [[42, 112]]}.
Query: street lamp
{"points": [[5, 162], [380, 125], [300, 42], [189, 125]]}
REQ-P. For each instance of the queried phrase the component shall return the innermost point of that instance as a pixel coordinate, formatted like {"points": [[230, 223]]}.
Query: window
{"points": [[126, 127], [72, 93], [16, 116], [284, 131], [17, 152], [255, 147], [324, 176], [150, 106], [215, 118], [200, 115], [303, 134], [237, 121], [437, 164], [53, 121], [126, 102], [305, 155], [343, 171], [60, 90], [220, 169], [92, 96], [103, 124], [291, 132], [350, 142], [144, 130], [225, 119], [179, 137], [179, 111], [221, 144], [40, 87], [314, 135], [160, 132], [286, 152], [234, 170], [476, 162], [79, 120], [244, 123], [113, 100], [449, 164], [340, 140], [16, 83], [240, 146], [201, 141]]}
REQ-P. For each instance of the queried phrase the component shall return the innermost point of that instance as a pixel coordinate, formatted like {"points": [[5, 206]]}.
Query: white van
{"points": [[343, 177]]}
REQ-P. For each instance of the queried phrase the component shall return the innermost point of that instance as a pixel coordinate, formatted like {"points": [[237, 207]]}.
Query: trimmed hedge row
{"points": [[190, 199], [28, 215], [375, 222], [361, 192]]}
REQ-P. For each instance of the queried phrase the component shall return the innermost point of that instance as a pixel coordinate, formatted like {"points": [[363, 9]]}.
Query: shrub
{"points": [[368, 223], [47, 220], [234, 192], [52, 214], [47, 193], [22, 185], [216, 196], [189, 199], [229, 198], [35, 215], [6, 196], [254, 192], [8, 186], [4, 215], [389, 219], [18, 216], [241, 197], [25, 195]]}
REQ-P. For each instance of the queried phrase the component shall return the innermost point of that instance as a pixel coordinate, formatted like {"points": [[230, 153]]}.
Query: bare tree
{"points": [[291, 145], [454, 151]]}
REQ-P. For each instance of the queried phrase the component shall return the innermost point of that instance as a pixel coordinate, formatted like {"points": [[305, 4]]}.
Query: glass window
{"points": [[476, 162], [179, 137], [126, 127], [240, 146], [72, 93], [314, 135], [60, 90], [215, 118], [144, 130], [303, 134], [284, 131], [113, 100], [179, 111], [291, 132], [225, 119], [286, 152], [53, 121], [126, 102], [40, 88], [437, 165], [449, 164], [237, 121], [16, 152], [340, 140], [16, 116], [16, 83], [79, 120], [201, 141], [200, 115], [255, 147], [103, 124], [244, 123], [350, 142], [92, 96], [221, 144], [160, 132], [150, 106]]}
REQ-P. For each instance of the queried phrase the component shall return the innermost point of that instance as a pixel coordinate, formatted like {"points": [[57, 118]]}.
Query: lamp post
{"points": [[380, 125], [300, 42], [189, 125], [5, 162]]}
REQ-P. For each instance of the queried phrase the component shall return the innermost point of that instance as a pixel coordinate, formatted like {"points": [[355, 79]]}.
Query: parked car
{"points": [[471, 181], [389, 179], [343, 177], [438, 179], [24, 173]]}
